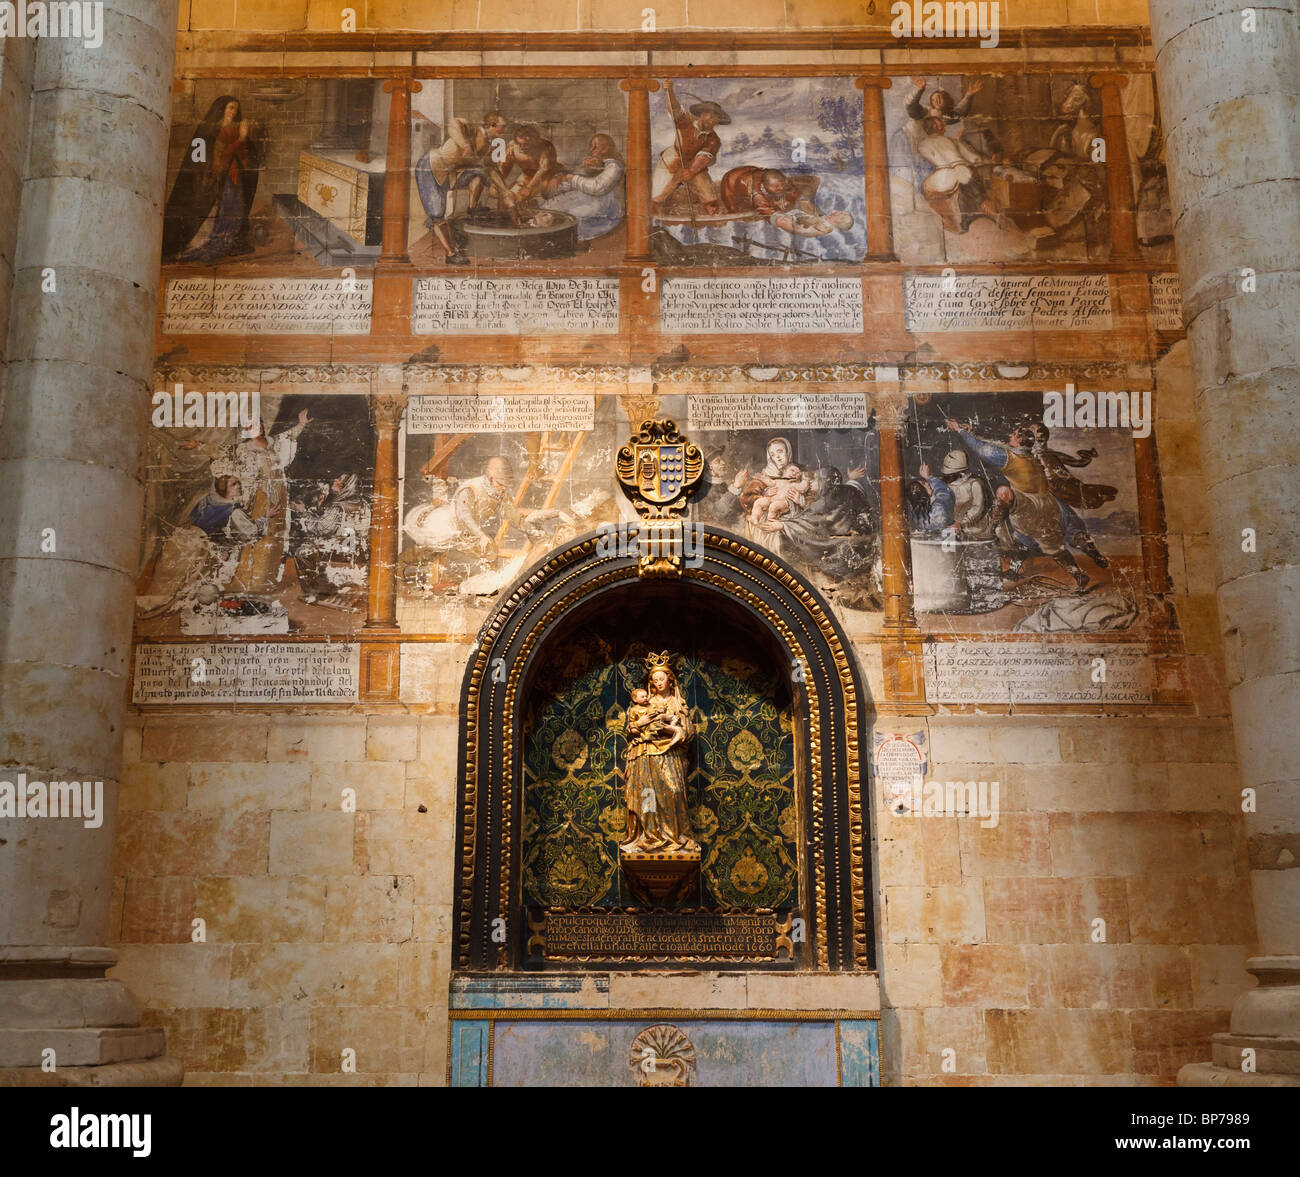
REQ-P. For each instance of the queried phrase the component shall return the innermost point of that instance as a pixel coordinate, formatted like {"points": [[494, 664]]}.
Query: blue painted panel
{"points": [[727, 1053], [860, 1054], [469, 1053]]}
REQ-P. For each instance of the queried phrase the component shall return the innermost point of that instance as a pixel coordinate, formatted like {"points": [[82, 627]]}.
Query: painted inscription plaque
{"points": [[618, 935]]}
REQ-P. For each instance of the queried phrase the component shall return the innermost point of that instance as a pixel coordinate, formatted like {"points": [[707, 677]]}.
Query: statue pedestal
{"points": [[660, 878]]}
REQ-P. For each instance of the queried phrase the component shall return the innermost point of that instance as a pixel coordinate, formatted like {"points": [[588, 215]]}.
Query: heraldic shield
{"points": [[658, 468]]}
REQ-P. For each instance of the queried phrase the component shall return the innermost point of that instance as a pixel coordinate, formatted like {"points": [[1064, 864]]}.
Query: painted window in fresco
{"points": [[1001, 167], [742, 799], [260, 527], [1018, 526], [757, 171]]}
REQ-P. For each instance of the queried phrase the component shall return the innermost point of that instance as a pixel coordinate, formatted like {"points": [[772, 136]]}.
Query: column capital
{"points": [[648, 85], [1109, 77], [388, 408], [410, 85], [874, 82], [892, 409]]}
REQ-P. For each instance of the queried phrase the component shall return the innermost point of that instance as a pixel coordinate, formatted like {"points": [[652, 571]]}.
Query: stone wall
{"points": [[328, 930], [1097, 934]]}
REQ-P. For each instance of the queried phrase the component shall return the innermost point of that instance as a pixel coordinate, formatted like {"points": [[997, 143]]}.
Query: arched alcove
{"points": [[734, 591]]}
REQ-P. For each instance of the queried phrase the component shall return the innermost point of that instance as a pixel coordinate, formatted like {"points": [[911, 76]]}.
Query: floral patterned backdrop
{"points": [[742, 796]]}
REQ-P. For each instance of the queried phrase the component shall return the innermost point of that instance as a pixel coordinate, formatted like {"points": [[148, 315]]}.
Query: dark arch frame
{"points": [[833, 702]]}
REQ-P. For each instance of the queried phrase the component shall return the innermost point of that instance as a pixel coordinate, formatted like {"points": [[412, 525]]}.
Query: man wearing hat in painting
{"points": [[971, 498], [695, 149]]}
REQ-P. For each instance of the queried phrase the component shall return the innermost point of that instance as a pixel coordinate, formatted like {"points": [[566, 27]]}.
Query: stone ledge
{"points": [[1208, 1075], [156, 1072], [1273, 1056], [85, 1047]]}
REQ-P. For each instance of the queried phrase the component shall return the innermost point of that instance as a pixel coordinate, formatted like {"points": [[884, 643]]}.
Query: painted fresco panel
{"points": [[1017, 526], [812, 496], [1005, 167], [258, 528], [784, 177]]}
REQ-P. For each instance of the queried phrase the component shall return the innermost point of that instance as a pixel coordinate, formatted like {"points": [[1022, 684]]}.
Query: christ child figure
{"points": [[791, 490]]}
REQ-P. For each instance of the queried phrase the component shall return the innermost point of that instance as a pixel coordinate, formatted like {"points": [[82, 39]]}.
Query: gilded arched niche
{"points": [[777, 785]]}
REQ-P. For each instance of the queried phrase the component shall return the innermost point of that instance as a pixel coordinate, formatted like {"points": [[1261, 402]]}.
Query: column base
{"points": [[63, 1023], [1266, 1023]]}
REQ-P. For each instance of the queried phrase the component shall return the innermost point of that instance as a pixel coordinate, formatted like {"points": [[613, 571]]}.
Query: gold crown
{"points": [[655, 662]]}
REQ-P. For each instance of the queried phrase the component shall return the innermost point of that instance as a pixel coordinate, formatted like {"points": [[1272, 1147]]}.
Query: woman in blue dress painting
{"points": [[223, 174]]}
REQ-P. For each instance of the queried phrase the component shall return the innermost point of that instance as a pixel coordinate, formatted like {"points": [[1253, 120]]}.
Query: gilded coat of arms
{"points": [[658, 468]]}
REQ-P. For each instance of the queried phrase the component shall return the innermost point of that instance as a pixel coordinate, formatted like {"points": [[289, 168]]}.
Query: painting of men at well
{"points": [[1018, 525], [518, 170]]}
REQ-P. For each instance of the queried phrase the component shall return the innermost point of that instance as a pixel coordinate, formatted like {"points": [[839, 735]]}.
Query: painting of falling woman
{"points": [[218, 171]]}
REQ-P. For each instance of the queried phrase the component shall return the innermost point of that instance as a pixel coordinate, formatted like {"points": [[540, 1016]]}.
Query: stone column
{"points": [[379, 661], [1228, 94], [880, 219], [638, 168], [77, 369], [1119, 174], [17, 59]]}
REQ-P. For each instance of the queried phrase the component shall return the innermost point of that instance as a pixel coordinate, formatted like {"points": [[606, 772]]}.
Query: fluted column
{"points": [[381, 612], [1229, 90], [78, 363]]}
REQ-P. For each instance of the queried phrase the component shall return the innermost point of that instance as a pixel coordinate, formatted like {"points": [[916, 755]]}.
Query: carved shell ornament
{"points": [[662, 1056]]}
